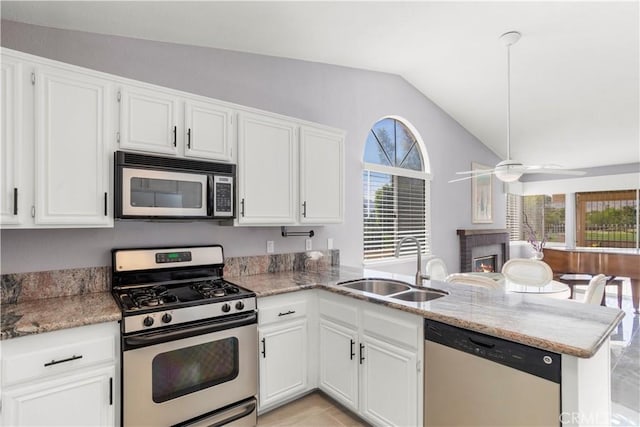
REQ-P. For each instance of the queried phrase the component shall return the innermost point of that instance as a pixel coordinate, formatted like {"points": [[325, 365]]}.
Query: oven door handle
{"points": [[134, 342]]}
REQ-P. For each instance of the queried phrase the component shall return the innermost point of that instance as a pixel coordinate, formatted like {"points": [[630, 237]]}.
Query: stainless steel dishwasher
{"points": [[472, 379]]}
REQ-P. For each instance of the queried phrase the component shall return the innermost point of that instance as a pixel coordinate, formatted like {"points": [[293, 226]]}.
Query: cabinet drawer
{"points": [[280, 309], [54, 353]]}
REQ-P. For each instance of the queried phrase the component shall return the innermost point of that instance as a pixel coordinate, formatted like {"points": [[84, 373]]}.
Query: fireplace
{"points": [[487, 247], [485, 264]]}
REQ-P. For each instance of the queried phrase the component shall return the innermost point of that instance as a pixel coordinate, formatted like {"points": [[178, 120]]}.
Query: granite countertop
{"points": [[50, 314], [561, 326]]}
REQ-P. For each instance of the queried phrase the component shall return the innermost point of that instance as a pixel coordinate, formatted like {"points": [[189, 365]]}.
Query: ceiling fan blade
{"points": [[475, 172], [552, 170], [486, 172]]}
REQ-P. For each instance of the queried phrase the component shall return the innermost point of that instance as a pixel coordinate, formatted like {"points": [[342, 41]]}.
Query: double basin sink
{"points": [[394, 289]]}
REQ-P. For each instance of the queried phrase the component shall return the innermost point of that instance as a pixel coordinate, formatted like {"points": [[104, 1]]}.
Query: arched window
{"points": [[396, 191]]}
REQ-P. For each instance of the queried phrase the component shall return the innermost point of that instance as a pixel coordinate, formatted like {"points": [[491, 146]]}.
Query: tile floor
{"points": [[316, 410], [313, 410]]}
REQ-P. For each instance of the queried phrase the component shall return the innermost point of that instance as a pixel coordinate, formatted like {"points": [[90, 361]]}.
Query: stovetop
{"points": [[169, 287], [144, 297]]}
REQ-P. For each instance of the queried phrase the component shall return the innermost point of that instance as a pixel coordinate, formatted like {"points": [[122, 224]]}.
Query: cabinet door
{"points": [[283, 361], [72, 150], [267, 170], [85, 399], [148, 120], [11, 98], [321, 176], [388, 384], [208, 130], [339, 358]]}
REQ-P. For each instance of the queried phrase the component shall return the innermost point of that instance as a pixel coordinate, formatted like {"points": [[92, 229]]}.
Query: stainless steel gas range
{"points": [[189, 339]]}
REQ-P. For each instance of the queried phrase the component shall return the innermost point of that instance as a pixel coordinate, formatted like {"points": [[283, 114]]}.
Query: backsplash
{"points": [[20, 287]]}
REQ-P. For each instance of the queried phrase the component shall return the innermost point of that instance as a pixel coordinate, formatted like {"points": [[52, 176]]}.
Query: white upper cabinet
{"points": [[208, 130], [56, 144], [267, 170], [321, 176], [289, 173], [73, 122], [162, 121], [11, 98], [148, 120]]}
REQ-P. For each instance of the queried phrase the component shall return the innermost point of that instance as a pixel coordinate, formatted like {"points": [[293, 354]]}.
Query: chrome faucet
{"points": [[419, 276]]}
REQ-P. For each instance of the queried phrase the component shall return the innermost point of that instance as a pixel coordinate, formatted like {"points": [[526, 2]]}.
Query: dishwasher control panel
{"points": [[541, 363]]}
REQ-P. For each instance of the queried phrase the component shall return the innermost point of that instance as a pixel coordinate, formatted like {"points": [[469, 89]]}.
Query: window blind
{"points": [[394, 207], [514, 220]]}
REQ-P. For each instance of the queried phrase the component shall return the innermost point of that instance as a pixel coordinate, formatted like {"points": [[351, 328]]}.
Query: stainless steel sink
{"points": [[376, 286], [420, 296]]}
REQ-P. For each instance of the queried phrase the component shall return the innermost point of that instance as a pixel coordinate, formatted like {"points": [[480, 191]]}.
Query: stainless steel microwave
{"points": [[154, 187]]}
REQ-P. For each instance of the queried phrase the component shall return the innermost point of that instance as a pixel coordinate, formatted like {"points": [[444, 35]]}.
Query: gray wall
{"points": [[345, 98]]}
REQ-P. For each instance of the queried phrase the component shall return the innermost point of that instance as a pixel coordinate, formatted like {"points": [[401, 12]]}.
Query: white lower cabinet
{"points": [[285, 348], [371, 359], [61, 378], [84, 399]]}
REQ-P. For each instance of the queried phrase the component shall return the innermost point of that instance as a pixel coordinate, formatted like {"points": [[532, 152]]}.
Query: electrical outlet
{"points": [[307, 244], [329, 243], [270, 246]]}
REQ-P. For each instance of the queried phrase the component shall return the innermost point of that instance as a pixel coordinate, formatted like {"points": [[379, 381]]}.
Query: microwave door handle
{"points": [[210, 197]]}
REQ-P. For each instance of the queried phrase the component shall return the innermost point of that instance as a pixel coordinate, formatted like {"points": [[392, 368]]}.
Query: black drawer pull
{"points": [[352, 349], [55, 362], [189, 138], [264, 348], [361, 353], [15, 201], [175, 136], [287, 313]]}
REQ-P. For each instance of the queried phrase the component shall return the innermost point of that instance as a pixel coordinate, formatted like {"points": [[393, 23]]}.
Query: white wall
{"points": [[345, 98]]}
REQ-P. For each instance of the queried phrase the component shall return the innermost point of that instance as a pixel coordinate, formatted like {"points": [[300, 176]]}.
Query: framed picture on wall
{"points": [[481, 195]]}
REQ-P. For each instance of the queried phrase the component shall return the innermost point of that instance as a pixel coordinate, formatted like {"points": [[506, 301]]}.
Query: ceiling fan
{"points": [[511, 170]]}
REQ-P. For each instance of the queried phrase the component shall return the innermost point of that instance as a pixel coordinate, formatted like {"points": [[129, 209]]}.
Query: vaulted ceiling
{"points": [[574, 74]]}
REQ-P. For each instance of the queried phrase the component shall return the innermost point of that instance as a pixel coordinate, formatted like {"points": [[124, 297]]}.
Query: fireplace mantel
{"points": [[473, 240]]}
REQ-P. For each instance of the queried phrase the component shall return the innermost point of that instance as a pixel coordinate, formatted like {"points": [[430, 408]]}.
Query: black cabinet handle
{"points": [[110, 391], [287, 313], [175, 136], [105, 204], [304, 209], [55, 362], [352, 349], [361, 353], [264, 348], [242, 207], [15, 201], [189, 138]]}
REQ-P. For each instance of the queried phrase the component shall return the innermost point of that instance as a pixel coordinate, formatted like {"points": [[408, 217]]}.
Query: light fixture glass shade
{"points": [[509, 171]]}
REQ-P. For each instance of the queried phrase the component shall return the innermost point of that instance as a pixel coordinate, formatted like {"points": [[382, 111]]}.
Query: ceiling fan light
{"points": [[508, 173]]}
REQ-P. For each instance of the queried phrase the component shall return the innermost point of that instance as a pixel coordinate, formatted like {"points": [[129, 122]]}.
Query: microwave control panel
{"points": [[223, 196]]}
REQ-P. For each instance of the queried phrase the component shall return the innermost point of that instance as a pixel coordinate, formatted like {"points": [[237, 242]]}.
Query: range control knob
{"points": [[226, 308], [239, 305], [166, 318], [148, 321]]}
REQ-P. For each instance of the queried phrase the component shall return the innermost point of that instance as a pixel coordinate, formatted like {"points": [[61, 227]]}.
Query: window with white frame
{"points": [[396, 191]]}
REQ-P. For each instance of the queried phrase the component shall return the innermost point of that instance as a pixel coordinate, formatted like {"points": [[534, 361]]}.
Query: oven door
{"points": [[175, 376], [159, 193]]}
